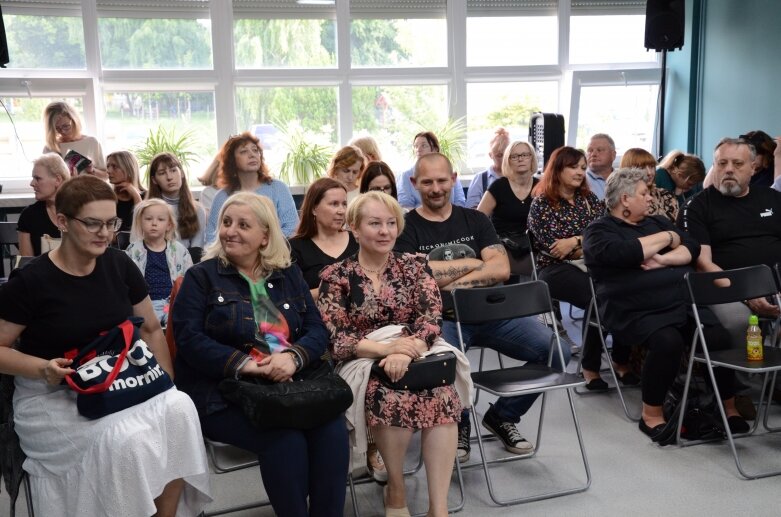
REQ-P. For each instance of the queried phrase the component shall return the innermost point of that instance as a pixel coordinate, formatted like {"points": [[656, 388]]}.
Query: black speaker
{"points": [[3, 42], [546, 134], [664, 24]]}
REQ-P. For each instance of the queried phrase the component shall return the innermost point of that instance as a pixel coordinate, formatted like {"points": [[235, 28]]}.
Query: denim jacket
{"points": [[214, 326]]}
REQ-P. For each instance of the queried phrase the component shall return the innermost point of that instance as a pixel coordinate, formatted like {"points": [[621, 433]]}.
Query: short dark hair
{"points": [[375, 169], [77, 192]]}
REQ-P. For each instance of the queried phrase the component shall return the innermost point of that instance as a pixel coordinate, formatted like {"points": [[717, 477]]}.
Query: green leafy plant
{"points": [[452, 139], [306, 156], [162, 140]]}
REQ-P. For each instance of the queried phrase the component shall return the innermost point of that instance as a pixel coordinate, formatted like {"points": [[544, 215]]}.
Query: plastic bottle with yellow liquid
{"points": [[754, 348]]}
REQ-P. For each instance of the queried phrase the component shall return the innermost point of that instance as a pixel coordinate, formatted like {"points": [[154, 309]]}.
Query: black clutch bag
{"points": [[425, 373]]}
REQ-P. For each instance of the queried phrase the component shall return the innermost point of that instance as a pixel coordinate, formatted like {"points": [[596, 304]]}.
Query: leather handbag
{"points": [[316, 396], [425, 373], [115, 371]]}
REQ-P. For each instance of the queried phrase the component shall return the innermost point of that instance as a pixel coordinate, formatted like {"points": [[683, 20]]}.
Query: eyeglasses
{"points": [[63, 128], [381, 189], [173, 171], [518, 157], [95, 225]]}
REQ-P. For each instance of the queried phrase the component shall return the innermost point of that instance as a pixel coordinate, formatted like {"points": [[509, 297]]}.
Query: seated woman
{"points": [[424, 143], [40, 218], [372, 290], [559, 213], [638, 263], [507, 201], [321, 238], [662, 200], [368, 146], [346, 166], [680, 174], [123, 174], [246, 311], [63, 134], [379, 177], [168, 182], [242, 168], [148, 458]]}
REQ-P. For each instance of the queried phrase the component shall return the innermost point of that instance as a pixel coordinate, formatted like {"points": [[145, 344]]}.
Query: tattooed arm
{"points": [[448, 271], [495, 268]]}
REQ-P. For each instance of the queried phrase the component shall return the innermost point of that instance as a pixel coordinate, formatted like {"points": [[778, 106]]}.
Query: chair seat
{"points": [[735, 358], [530, 378]]}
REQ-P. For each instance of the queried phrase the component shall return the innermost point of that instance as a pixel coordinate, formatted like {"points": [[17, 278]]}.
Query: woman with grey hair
{"points": [[638, 262]]}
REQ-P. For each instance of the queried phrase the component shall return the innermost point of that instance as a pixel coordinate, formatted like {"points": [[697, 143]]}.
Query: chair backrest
{"points": [[8, 233], [732, 285], [123, 240], [169, 329], [482, 304], [777, 272]]}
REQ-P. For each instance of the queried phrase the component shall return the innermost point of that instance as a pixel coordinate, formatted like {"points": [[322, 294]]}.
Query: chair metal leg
{"points": [[221, 469], [768, 402], [353, 497]]}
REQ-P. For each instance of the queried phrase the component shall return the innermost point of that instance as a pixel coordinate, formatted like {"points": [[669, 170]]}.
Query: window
{"points": [[138, 43], [509, 105], [608, 39], [511, 32], [45, 41], [393, 114]]}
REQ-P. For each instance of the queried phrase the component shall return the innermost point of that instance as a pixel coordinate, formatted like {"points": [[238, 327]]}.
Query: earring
{"points": [[626, 212]]}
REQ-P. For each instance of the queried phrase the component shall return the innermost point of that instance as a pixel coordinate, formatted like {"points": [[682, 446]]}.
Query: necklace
{"points": [[374, 271]]}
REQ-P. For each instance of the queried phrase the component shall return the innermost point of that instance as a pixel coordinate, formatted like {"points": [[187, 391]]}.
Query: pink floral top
{"points": [[351, 308]]}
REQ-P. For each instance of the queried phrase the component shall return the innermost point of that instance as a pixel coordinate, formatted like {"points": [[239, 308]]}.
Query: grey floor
{"points": [[630, 475]]}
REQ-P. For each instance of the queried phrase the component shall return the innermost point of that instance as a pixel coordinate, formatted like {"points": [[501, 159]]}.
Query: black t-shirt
{"points": [[61, 311], [464, 226], [125, 212], [741, 231], [311, 259], [35, 220], [511, 213]]}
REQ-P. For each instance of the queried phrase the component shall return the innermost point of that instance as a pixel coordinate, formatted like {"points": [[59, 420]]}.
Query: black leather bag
{"points": [[426, 373], [314, 397], [517, 244]]}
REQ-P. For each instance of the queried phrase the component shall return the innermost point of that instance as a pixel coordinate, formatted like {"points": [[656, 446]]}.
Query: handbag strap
{"points": [[127, 332]]}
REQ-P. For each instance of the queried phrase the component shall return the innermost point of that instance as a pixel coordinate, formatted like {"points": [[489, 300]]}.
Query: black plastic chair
{"points": [[722, 287], [481, 305], [8, 238]]}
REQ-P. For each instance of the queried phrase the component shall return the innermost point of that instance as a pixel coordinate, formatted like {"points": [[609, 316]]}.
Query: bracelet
{"points": [[670, 234], [578, 244]]}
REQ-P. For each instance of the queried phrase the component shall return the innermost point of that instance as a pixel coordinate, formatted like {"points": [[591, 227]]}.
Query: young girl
{"points": [[168, 182], [161, 258]]}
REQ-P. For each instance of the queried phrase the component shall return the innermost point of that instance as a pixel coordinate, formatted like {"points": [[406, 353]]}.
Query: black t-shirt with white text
{"points": [[741, 231], [464, 226]]}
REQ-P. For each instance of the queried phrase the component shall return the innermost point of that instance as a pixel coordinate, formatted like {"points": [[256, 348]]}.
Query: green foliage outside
{"points": [[45, 41]]}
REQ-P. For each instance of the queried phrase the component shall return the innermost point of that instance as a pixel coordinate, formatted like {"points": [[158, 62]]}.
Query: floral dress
{"points": [[663, 203], [351, 309]]}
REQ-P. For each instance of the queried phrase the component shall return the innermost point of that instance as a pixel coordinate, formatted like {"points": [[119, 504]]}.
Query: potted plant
{"points": [[165, 140], [306, 156], [452, 140]]}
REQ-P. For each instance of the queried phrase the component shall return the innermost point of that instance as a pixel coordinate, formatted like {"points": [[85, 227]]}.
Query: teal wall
{"points": [[726, 82]]}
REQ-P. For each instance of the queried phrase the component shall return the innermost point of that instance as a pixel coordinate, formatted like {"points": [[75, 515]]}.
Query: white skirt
{"points": [[116, 465]]}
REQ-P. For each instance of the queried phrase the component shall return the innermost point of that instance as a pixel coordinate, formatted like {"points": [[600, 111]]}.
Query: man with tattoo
{"points": [[463, 252]]}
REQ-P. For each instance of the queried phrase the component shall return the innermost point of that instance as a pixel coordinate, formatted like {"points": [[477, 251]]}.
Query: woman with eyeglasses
{"points": [[168, 182], [346, 167], [423, 143], [58, 304], [380, 178], [63, 134], [123, 174], [508, 199], [322, 237], [242, 168]]}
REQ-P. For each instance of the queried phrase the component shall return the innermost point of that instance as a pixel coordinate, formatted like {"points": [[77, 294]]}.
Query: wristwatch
{"points": [[578, 245], [296, 359]]}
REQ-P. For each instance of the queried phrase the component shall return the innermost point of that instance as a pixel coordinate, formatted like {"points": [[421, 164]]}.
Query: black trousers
{"points": [[569, 284], [666, 346]]}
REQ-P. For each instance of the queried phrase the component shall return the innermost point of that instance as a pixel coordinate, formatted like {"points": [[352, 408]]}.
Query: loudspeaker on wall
{"points": [[664, 24]]}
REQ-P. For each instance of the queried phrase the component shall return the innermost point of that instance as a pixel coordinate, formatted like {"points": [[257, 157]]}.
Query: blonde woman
{"points": [[40, 218], [123, 175], [369, 147], [485, 179], [63, 134]]}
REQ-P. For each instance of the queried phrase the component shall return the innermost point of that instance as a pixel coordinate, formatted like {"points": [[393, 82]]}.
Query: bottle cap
{"points": [[753, 320]]}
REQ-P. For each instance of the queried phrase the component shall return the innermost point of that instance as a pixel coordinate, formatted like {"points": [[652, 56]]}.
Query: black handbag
{"points": [[425, 373], [517, 244], [314, 397]]}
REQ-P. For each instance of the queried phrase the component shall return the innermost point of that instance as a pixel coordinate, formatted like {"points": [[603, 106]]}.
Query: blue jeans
{"points": [[525, 339], [294, 463]]}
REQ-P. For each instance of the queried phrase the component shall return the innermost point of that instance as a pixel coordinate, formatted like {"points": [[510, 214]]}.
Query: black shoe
{"points": [[628, 379], [652, 432], [662, 434], [507, 433], [597, 385], [737, 425], [464, 448]]}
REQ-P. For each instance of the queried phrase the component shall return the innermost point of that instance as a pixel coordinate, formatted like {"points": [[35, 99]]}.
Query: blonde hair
{"points": [[276, 254], [506, 169], [128, 164], [50, 114], [369, 147], [136, 233], [54, 165], [355, 211]]}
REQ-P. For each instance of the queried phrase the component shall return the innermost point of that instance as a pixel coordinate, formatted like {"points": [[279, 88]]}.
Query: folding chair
{"points": [[735, 285], [8, 238], [592, 318], [480, 305]]}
